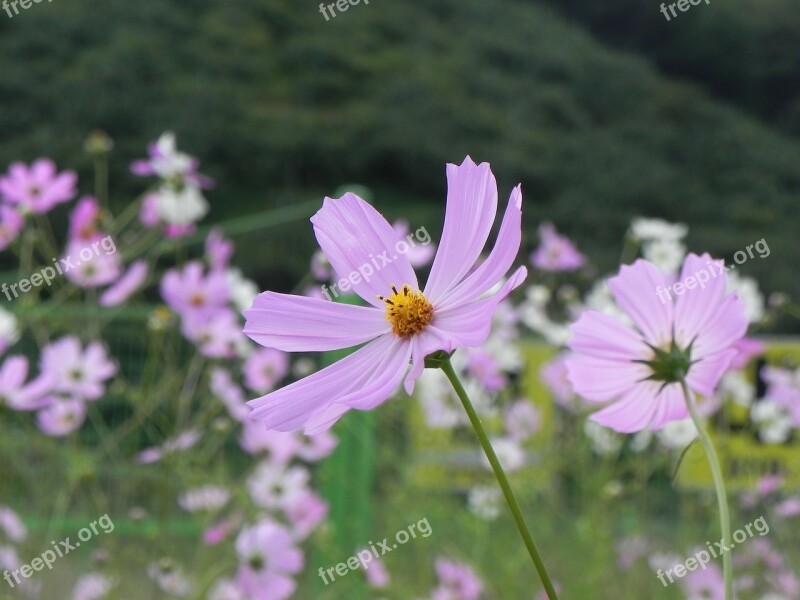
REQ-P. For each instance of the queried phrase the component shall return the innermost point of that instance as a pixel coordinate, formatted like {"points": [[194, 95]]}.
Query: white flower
{"points": [[209, 497], [242, 290], [676, 435], [225, 589], [273, 486], [604, 440], [509, 453], [657, 229], [181, 206], [773, 420], [667, 254], [169, 578], [9, 331], [484, 502], [734, 385], [748, 291], [170, 163], [93, 586]]}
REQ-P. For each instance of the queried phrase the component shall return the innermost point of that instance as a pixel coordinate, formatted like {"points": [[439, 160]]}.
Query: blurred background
{"points": [[604, 112]]}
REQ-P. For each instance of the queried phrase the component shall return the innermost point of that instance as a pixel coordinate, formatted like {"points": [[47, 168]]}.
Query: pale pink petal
{"points": [[705, 374], [671, 406], [494, 268], [357, 379], [696, 307], [601, 380], [603, 336], [362, 247], [635, 290], [470, 212], [301, 324], [728, 324], [470, 324], [633, 412]]}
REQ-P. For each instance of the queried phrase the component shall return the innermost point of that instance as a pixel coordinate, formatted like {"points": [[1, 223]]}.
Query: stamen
{"points": [[408, 312]]}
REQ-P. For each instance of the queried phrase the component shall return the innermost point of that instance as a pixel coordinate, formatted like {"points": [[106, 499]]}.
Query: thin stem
{"points": [[719, 485], [511, 499]]}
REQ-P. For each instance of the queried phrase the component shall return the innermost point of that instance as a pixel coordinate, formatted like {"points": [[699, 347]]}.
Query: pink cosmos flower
{"points": [[554, 375], [218, 250], [179, 443], [61, 417], [376, 573], [264, 369], [457, 581], [403, 324], [12, 525], [127, 285], [555, 252], [747, 349], [705, 584], [268, 558], [10, 225], [100, 269], [192, 292], [637, 370], [14, 393], [229, 393], [77, 372], [789, 507], [523, 420], [482, 366], [217, 335], [305, 511], [84, 220], [37, 188]]}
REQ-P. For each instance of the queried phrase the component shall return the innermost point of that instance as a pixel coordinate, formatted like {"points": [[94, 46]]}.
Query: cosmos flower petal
{"points": [[494, 268], [302, 324], [728, 324], [695, 307], [470, 324], [361, 245], [357, 379], [704, 376], [635, 290], [431, 340], [671, 406], [600, 379], [469, 216], [603, 336], [325, 418], [633, 412]]}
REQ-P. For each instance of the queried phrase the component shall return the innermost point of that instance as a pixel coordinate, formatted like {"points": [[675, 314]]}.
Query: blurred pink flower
{"points": [[789, 507], [482, 366], [191, 292], [227, 391], [456, 581], [419, 254], [268, 558], [555, 252], [127, 285], [376, 573], [264, 369], [77, 372], [554, 375], [636, 370], [84, 220], [10, 225], [218, 335], [305, 511], [12, 525], [14, 393], [179, 443], [37, 188], [406, 326], [747, 349], [218, 250], [705, 584], [61, 417], [100, 268], [523, 420]]}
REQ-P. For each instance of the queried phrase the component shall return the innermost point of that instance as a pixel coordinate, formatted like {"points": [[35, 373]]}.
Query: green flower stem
{"points": [[513, 504], [719, 485]]}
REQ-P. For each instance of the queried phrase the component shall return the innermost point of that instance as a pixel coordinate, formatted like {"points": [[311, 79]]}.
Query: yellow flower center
{"points": [[409, 312]]}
